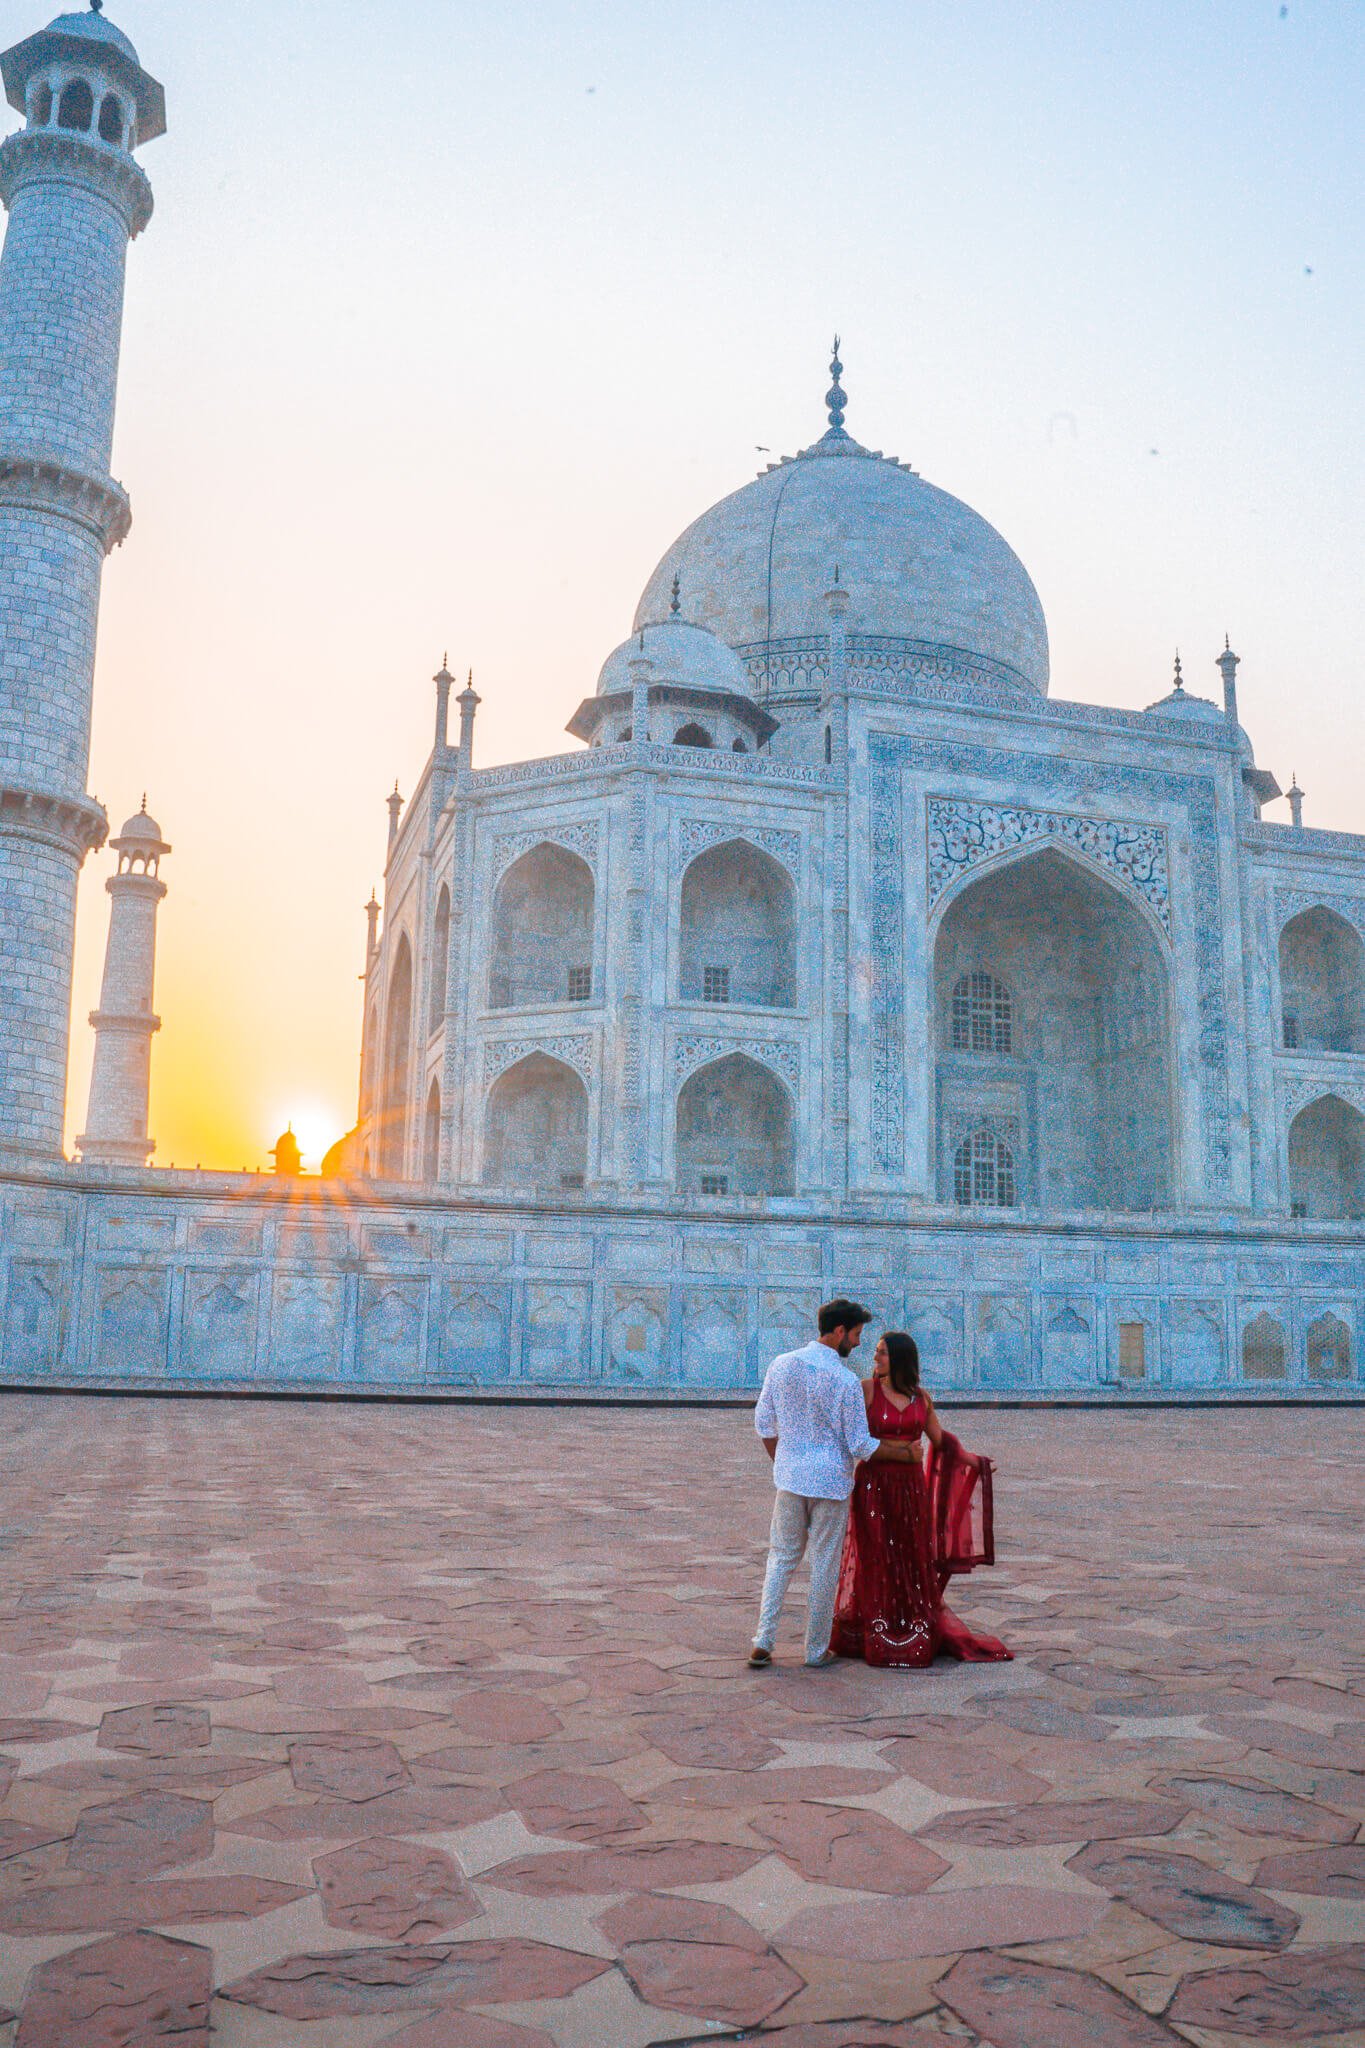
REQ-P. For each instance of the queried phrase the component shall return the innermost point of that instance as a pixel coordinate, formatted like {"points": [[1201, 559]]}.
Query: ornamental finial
{"points": [[97, 6], [674, 603], [834, 397], [1179, 679]]}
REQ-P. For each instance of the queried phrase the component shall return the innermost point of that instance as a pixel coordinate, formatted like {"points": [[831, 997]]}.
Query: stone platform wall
{"points": [[208, 1281]]}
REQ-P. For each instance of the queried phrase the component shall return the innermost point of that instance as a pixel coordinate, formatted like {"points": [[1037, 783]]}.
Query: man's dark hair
{"points": [[842, 1314]]}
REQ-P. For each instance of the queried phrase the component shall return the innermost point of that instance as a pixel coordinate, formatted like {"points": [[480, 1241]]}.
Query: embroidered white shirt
{"points": [[814, 1406]]}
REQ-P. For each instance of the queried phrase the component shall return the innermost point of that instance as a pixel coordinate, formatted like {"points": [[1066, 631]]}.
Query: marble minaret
{"points": [[75, 197], [125, 1022]]}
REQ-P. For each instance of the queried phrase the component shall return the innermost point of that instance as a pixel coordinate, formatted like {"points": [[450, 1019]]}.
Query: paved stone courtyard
{"points": [[429, 1726]]}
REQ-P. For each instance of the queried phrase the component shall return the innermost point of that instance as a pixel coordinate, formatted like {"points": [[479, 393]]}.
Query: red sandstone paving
{"points": [[477, 1665]]}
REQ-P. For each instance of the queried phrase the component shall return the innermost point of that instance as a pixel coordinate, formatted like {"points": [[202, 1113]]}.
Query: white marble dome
{"points": [[919, 566], [682, 652]]}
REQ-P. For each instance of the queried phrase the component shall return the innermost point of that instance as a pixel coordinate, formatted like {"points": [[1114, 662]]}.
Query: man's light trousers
{"points": [[798, 1524]]}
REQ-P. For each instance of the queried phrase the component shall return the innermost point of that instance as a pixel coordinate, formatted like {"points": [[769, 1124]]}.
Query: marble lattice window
{"points": [[715, 984], [1329, 1349], [1263, 1349], [715, 1184], [580, 984], [983, 1173], [983, 1015]]}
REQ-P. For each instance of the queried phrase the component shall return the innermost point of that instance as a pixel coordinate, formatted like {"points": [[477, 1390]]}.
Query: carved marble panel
{"points": [[390, 1329], [36, 1302], [307, 1326], [695, 835], [474, 1334], [132, 1323], [218, 1330], [1198, 1348], [555, 1344], [1069, 1342], [783, 1055], [714, 1352], [574, 1048], [637, 1337], [962, 835], [1002, 1340], [576, 838]]}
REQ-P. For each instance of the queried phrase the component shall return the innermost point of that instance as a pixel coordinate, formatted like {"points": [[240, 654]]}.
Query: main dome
{"points": [[921, 568]]}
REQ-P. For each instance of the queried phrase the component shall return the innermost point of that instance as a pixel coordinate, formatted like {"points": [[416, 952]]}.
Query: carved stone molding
{"points": [[696, 835], [39, 484], [961, 1121], [44, 154], [580, 839], [1291, 902], [781, 1054], [74, 825], [963, 835], [1298, 1090], [573, 1049]]}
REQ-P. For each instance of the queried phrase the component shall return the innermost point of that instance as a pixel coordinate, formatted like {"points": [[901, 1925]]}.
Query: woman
{"points": [[910, 1527]]}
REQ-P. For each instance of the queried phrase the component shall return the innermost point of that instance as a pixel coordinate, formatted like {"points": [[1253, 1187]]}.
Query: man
{"points": [[813, 1423]]}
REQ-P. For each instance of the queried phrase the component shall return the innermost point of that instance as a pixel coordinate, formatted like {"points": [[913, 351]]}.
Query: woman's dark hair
{"points": [[903, 1355]]}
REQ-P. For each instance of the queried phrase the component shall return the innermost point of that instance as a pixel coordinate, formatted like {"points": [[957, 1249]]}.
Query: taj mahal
{"points": [[832, 953]]}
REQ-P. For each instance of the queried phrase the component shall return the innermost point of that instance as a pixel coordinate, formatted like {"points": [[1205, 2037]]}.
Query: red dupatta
{"points": [[961, 1516]]}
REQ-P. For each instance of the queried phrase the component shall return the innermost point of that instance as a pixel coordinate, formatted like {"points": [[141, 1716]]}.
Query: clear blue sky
{"points": [[451, 317]]}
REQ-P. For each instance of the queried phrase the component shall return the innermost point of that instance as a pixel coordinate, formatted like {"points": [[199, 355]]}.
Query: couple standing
{"points": [[878, 1568]]}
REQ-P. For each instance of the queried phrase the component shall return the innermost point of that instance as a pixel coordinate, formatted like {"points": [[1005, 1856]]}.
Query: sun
{"points": [[314, 1124]]}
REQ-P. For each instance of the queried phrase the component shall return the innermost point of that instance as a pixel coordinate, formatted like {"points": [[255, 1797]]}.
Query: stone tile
{"points": [[940, 1923], [580, 1807], [638, 1866], [1058, 1820], [1324, 1873], [1258, 1809], [509, 1717], [402, 1891], [155, 1731], [1301, 1997], [849, 1847], [117, 1905], [1017, 2004], [416, 1809], [1188, 1898], [964, 1772], [770, 1787], [467, 2030], [696, 1958], [706, 1742], [348, 1766], [141, 1835], [131, 1991], [335, 1983]]}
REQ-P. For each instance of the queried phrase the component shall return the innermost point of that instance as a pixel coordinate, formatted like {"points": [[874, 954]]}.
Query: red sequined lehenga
{"points": [[910, 1528]]}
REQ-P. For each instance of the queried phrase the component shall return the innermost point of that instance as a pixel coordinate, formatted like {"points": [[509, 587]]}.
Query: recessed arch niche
{"points": [[397, 1059], [542, 928], [738, 928], [734, 1131], [1083, 1071], [1327, 1160], [536, 1127], [1322, 983]]}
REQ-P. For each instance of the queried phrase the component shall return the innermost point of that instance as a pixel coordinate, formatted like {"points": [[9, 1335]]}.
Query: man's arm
{"points": [[765, 1417]]}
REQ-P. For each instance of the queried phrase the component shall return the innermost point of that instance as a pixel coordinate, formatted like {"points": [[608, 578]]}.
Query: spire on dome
{"points": [[1179, 678], [834, 397], [674, 602]]}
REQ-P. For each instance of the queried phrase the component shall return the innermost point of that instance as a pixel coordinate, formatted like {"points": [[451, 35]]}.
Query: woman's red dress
{"points": [[910, 1527]]}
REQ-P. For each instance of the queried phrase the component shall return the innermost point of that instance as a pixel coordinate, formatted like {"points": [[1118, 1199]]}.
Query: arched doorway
{"points": [[1327, 1160], [431, 1136], [536, 1127], [738, 935], [542, 931], [1051, 1043], [397, 1060], [734, 1131], [440, 961], [1322, 983]]}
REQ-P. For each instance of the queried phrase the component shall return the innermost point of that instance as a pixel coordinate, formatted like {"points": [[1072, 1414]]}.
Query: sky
{"points": [[451, 318]]}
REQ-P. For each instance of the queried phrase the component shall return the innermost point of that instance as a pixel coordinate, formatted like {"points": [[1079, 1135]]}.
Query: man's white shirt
{"points": [[814, 1406]]}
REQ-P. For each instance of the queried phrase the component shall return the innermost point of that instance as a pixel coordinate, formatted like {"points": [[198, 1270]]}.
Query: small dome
{"points": [[95, 28], [682, 653], [1184, 704], [141, 826]]}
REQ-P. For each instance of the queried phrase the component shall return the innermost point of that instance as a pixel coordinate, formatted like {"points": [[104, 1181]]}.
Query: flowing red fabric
{"points": [[910, 1528]]}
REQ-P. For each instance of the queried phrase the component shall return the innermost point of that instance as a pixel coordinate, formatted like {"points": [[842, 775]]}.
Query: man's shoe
{"points": [[822, 1662], [759, 1657]]}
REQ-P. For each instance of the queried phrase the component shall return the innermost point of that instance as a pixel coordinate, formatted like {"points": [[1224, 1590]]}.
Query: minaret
{"points": [[75, 197], [116, 1124]]}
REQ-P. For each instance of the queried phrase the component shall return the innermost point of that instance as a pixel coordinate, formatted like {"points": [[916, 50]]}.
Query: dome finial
{"points": [[1179, 678], [834, 397], [97, 6], [674, 603]]}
